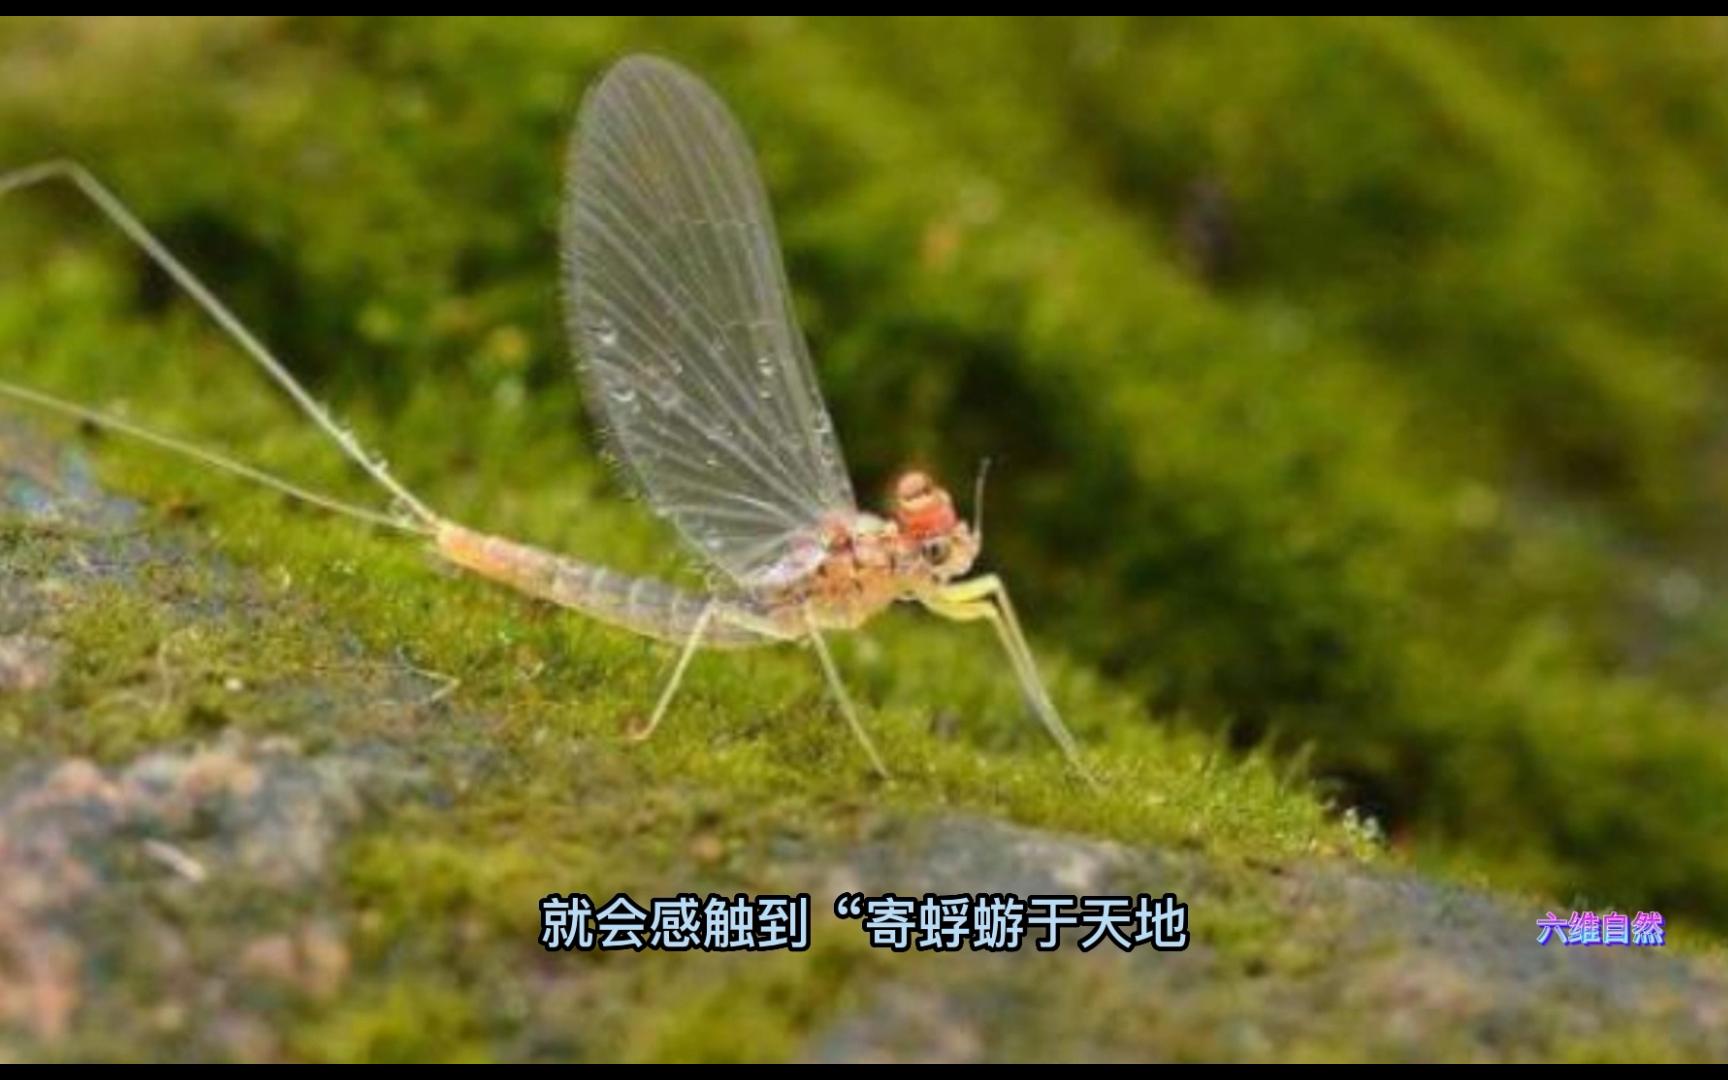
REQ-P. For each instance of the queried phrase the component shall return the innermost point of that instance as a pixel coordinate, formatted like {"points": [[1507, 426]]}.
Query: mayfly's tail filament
{"points": [[128, 223], [211, 458]]}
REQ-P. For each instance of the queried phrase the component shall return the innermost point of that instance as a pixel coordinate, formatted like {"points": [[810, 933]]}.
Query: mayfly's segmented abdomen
{"points": [[641, 605]]}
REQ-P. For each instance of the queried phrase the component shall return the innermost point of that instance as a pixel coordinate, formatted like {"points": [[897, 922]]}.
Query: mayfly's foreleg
{"points": [[841, 698], [691, 644], [986, 598]]}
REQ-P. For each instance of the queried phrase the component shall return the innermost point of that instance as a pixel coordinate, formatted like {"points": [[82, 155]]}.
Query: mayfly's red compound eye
{"points": [[921, 508], [913, 485]]}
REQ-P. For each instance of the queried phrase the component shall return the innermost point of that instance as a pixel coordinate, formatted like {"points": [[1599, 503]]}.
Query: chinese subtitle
{"points": [[681, 923], [1001, 922]]}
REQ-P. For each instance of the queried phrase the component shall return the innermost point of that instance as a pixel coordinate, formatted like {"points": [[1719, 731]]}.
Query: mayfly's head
{"points": [[930, 529]]}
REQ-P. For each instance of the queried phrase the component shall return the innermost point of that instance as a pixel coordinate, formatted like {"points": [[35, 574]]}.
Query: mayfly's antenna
{"points": [[110, 204], [209, 457], [978, 502]]}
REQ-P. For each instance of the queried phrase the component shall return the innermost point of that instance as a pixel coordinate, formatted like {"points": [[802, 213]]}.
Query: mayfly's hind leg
{"points": [[841, 697], [986, 598], [691, 644]]}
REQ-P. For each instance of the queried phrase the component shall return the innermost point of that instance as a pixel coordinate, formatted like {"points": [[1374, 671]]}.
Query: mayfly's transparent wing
{"points": [[689, 346]]}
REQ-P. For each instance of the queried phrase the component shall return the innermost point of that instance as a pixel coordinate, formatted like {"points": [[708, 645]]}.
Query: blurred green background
{"points": [[1355, 388]]}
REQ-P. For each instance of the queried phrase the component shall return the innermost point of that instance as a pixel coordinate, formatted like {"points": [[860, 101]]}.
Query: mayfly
{"points": [[699, 379]]}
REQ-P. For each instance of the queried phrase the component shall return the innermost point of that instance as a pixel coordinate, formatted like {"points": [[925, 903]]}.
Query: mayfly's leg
{"points": [[987, 598], [843, 699], [690, 645]]}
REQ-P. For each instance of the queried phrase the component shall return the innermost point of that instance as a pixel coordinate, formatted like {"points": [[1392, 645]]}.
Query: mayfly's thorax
{"points": [[867, 564]]}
